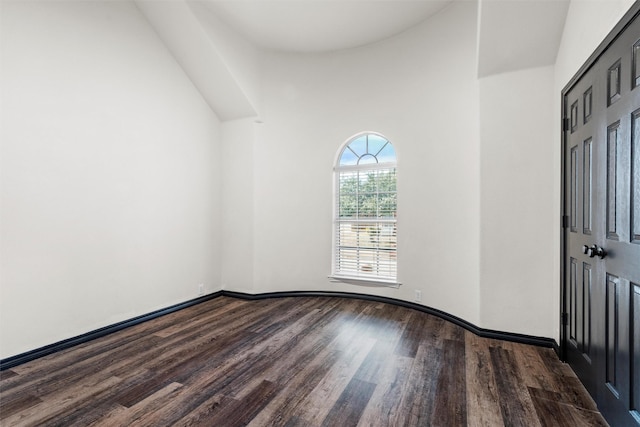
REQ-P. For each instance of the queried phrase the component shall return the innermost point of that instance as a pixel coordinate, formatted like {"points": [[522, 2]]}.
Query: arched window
{"points": [[365, 232]]}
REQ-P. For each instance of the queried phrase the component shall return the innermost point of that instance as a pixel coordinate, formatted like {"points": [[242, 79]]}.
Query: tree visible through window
{"points": [[365, 215]]}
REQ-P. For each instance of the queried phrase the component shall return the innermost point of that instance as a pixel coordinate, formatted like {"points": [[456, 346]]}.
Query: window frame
{"points": [[338, 169]]}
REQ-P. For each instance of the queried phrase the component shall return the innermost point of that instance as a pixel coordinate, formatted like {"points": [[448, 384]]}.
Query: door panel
{"points": [[583, 140], [635, 172], [602, 202], [587, 175]]}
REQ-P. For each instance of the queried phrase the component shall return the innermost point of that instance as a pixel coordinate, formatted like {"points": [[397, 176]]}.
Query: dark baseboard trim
{"points": [[481, 332], [13, 361]]}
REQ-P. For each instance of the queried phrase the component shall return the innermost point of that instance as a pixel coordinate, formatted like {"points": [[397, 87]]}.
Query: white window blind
{"points": [[366, 207]]}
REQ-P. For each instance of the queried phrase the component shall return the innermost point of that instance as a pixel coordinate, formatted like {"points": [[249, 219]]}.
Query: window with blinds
{"points": [[365, 231]]}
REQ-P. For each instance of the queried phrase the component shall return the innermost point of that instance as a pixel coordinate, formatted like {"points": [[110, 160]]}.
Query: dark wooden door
{"points": [[602, 233]]}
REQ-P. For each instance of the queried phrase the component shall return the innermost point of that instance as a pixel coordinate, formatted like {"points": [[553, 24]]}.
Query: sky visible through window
{"points": [[368, 149]]}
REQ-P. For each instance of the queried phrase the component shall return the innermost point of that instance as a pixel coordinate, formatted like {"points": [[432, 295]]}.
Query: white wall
{"points": [[239, 56], [200, 53], [418, 89], [588, 23], [517, 35], [238, 231], [518, 287], [110, 173]]}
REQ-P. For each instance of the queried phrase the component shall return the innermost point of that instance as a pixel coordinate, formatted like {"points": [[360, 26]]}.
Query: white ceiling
{"points": [[321, 25], [215, 40]]}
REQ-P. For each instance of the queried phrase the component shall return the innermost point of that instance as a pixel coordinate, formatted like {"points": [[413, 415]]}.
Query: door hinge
{"points": [[565, 124], [565, 221], [565, 319]]}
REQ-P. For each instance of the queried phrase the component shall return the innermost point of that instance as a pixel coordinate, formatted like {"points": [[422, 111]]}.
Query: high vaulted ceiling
{"points": [[321, 25], [216, 41]]}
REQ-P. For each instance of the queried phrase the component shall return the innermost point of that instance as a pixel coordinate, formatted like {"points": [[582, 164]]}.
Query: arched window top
{"points": [[367, 149], [365, 202]]}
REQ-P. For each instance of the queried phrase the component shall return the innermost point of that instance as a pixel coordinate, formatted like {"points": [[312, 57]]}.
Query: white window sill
{"points": [[364, 281]]}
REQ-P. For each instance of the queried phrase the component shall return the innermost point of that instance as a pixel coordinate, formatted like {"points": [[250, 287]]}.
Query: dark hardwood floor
{"points": [[301, 361]]}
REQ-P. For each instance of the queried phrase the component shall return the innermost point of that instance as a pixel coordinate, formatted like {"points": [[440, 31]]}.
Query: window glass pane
{"points": [[359, 145], [374, 235], [348, 158], [386, 205], [387, 237], [348, 259], [356, 234], [368, 235], [367, 159], [348, 182], [348, 205], [376, 143], [387, 180], [367, 206], [367, 262], [367, 182], [348, 234], [388, 154]]}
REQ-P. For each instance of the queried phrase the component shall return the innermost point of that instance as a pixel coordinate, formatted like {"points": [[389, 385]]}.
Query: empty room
{"points": [[319, 212]]}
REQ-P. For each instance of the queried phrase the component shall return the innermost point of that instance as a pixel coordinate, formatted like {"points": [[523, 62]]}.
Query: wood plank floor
{"points": [[303, 361]]}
